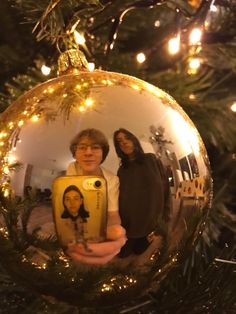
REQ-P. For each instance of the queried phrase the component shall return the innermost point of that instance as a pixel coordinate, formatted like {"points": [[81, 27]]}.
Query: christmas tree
{"points": [[187, 48]]}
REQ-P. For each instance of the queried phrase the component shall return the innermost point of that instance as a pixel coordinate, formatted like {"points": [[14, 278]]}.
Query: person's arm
{"points": [[102, 253], [99, 253]]}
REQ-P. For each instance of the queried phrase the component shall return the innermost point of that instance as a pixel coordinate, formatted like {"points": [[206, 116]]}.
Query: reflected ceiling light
{"points": [[157, 23]]}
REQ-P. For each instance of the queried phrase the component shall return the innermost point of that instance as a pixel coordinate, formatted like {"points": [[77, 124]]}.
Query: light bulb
{"points": [[195, 36], [174, 45], [233, 107], [45, 70], [91, 66], [140, 57], [79, 39], [213, 8]]}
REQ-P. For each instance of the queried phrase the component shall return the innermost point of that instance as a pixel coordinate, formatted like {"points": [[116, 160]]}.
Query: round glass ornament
{"points": [[35, 134]]}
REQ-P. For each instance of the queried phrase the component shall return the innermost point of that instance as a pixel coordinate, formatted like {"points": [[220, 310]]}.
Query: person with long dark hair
{"points": [[74, 214], [144, 192]]}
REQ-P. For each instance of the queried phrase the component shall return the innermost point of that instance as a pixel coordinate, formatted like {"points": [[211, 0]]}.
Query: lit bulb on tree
{"points": [[194, 65], [140, 57], [174, 45], [45, 70], [195, 36]]}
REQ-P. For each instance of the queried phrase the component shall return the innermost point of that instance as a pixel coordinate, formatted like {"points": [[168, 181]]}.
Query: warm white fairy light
{"points": [[157, 23], [194, 65], [79, 38], [174, 45], [91, 66], [6, 193], [20, 123], [213, 7], [11, 159], [233, 107], [45, 70], [136, 87], [140, 57], [35, 118], [11, 124], [88, 102], [6, 170], [195, 36], [3, 134], [81, 108], [192, 97]]}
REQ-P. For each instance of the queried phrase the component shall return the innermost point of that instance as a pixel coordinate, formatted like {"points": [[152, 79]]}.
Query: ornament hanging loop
{"points": [[72, 61]]}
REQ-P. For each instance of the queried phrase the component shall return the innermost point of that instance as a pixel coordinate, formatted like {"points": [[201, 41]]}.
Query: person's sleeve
{"points": [[113, 194]]}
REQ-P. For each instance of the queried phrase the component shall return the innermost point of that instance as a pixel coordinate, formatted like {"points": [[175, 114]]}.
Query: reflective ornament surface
{"points": [[35, 135]]}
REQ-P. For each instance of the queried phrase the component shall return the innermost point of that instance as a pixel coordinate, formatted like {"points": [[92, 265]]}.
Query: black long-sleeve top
{"points": [[144, 195]]}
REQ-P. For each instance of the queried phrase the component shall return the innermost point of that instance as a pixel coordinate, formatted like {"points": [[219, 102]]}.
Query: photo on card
{"points": [[80, 209]]}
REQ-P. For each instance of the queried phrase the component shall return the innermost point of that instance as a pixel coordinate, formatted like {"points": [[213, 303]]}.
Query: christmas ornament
{"points": [[35, 133]]}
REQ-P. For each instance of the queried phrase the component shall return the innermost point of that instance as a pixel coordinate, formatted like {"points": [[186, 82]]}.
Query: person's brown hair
{"points": [[96, 136]]}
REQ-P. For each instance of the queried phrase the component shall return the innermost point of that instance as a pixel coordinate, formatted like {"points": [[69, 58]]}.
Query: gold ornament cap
{"points": [[72, 61]]}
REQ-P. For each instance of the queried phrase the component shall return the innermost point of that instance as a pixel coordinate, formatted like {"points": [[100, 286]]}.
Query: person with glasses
{"points": [[89, 149]]}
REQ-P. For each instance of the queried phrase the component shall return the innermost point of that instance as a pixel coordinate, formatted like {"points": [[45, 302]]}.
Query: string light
{"points": [[35, 118], [174, 45], [192, 97], [45, 70], [79, 39], [157, 23], [195, 36], [81, 109], [233, 107], [20, 123], [140, 57], [88, 102], [213, 7], [91, 66], [194, 65]]}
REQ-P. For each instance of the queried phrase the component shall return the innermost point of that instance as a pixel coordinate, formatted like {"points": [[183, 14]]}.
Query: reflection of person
{"points": [[90, 148], [144, 192], [74, 212]]}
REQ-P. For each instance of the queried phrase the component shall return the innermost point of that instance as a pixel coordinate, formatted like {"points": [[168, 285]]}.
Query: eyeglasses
{"points": [[94, 147]]}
